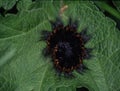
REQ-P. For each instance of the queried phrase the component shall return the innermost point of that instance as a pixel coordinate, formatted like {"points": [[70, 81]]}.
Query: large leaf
{"points": [[24, 68]]}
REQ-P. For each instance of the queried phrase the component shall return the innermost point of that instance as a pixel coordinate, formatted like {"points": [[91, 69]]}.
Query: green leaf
{"points": [[23, 66], [117, 4], [105, 7], [7, 4]]}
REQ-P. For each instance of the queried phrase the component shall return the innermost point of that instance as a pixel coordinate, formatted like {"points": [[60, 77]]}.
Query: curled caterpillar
{"points": [[66, 46]]}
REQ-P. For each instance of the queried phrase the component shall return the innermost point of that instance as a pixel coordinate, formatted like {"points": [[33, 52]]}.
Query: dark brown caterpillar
{"points": [[66, 46]]}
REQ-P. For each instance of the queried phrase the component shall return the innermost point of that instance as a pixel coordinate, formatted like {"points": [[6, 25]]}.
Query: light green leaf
{"points": [[7, 4], [26, 69]]}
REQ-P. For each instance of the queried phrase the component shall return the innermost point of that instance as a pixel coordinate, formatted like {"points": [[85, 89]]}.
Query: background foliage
{"points": [[24, 68]]}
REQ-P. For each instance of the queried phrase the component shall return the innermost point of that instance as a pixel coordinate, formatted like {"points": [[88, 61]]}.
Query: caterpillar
{"points": [[66, 46]]}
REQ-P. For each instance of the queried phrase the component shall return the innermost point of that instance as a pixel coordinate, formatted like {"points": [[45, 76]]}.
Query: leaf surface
{"points": [[23, 66]]}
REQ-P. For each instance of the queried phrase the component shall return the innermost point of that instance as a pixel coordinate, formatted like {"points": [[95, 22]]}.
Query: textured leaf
{"points": [[24, 68]]}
